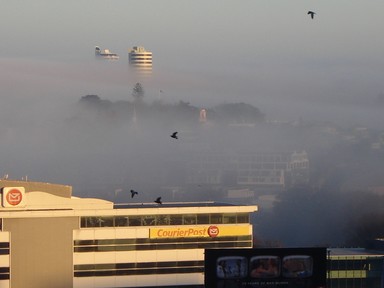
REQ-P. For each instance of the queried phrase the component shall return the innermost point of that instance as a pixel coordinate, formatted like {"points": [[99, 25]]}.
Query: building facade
{"points": [[355, 268], [276, 170], [49, 238], [140, 59], [105, 54]]}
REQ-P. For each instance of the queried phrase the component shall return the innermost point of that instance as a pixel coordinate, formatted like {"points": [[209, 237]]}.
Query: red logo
{"points": [[14, 197], [213, 231]]}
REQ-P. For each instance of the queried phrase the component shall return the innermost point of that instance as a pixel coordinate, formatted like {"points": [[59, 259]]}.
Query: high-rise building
{"points": [[140, 58], [248, 169]]}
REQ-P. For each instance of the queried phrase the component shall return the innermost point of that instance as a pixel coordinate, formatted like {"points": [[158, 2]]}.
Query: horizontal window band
{"points": [[163, 219], [4, 251], [99, 242], [355, 265], [348, 269], [138, 265], [138, 272], [172, 286], [235, 244], [4, 276], [4, 245], [151, 246]]}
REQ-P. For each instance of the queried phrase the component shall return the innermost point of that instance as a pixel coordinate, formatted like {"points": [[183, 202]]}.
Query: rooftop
{"points": [[172, 204], [354, 252]]}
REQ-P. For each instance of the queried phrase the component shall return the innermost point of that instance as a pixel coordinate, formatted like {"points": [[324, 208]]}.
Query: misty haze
{"points": [[266, 91]]}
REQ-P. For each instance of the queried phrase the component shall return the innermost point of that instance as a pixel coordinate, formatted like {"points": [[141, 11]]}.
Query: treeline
{"points": [[167, 113]]}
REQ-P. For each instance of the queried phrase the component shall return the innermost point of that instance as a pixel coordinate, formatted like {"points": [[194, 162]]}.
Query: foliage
{"points": [[168, 114], [138, 92], [90, 98], [94, 102]]}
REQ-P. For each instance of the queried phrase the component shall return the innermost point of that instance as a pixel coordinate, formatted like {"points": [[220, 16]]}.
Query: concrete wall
{"points": [[41, 252], [30, 186]]}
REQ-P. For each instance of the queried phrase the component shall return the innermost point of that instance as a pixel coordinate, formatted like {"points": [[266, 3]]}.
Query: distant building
{"points": [[255, 170], [304, 267], [140, 58], [299, 168], [356, 267], [106, 54]]}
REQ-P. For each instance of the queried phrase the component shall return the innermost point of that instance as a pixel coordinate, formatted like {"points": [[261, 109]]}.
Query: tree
{"points": [[90, 98], [138, 92], [94, 102]]}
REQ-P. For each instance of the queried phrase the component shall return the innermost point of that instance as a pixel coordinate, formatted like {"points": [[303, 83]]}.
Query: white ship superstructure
{"points": [[105, 54]]}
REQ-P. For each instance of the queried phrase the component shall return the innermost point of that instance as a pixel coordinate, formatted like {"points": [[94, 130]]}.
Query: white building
{"points": [[106, 54], [140, 58], [257, 170], [50, 239]]}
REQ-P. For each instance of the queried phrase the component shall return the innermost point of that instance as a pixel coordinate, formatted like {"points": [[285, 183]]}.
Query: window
{"points": [[229, 218], [121, 221], [163, 219], [4, 248], [176, 220], [190, 219], [105, 221], [153, 220], [202, 218], [216, 218], [92, 222], [134, 221], [149, 220], [243, 218]]}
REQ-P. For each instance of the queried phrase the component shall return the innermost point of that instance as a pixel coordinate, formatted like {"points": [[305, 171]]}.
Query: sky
{"points": [[267, 53]]}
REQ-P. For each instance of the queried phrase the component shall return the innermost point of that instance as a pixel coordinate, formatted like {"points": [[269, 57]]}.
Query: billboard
{"points": [[266, 268], [200, 231]]}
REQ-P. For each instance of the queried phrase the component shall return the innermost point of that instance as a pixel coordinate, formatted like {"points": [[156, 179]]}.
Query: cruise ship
{"points": [[49, 238], [105, 54]]}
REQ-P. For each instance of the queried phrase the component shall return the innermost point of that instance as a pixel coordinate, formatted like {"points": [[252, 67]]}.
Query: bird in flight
{"points": [[311, 13], [174, 135], [133, 193], [158, 200]]}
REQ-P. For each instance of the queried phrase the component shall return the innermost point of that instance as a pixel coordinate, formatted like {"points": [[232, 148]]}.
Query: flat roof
{"points": [[351, 252], [174, 204]]}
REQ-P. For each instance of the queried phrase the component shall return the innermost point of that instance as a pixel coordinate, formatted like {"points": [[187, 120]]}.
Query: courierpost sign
{"points": [[13, 197], [200, 231]]}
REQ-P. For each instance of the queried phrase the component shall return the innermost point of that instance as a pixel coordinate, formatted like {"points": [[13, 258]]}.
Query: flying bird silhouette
{"points": [[174, 135], [311, 13], [158, 200], [133, 193]]}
